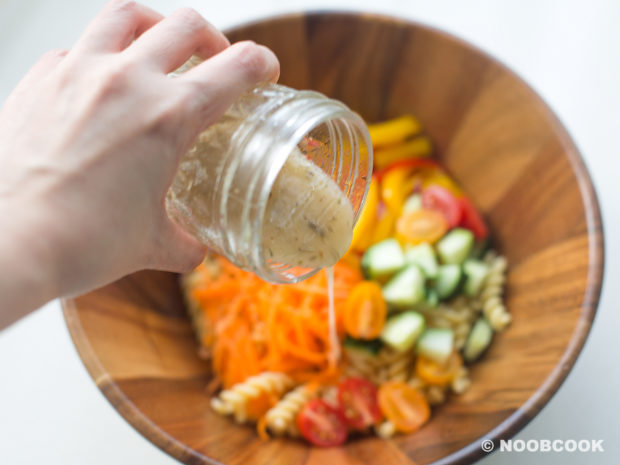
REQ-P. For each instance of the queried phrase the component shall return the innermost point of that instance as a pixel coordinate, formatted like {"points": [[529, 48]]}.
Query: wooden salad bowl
{"points": [[510, 154]]}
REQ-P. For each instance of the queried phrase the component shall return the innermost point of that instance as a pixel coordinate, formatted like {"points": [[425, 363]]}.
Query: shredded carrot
{"points": [[255, 326], [261, 428]]}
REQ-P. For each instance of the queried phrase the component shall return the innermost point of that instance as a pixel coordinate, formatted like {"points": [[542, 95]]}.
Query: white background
{"points": [[569, 51]]}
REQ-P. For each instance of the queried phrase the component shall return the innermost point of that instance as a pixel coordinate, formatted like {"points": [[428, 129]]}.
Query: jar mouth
{"points": [[347, 160]]}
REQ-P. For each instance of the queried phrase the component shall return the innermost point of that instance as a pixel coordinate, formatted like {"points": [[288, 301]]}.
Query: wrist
{"points": [[26, 262]]}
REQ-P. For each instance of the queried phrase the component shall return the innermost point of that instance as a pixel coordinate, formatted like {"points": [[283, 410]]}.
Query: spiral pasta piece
{"points": [[234, 401], [281, 418], [393, 365], [491, 296]]}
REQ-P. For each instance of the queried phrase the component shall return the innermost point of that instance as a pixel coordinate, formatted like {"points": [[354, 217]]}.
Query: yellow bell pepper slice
{"points": [[384, 227], [438, 177], [393, 131], [396, 186], [362, 232], [420, 147]]}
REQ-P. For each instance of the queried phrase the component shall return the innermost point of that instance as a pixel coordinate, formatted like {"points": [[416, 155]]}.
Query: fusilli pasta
{"points": [[491, 296], [233, 401], [281, 417]]}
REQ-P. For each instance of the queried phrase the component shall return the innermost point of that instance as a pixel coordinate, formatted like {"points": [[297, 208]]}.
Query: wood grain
{"points": [[509, 152]]}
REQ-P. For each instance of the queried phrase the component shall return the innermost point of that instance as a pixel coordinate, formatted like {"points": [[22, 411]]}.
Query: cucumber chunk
{"points": [[430, 303], [402, 330], [406, 288], [475, 274], [478, 341], [413, 203], [480, 248], [372, 346], [423, 255], [383, 259], [449, 280], [455, 246], [436, 344]]}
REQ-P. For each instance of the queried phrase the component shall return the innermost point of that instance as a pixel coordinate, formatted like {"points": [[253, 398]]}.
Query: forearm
{"points": [[28, 276]]}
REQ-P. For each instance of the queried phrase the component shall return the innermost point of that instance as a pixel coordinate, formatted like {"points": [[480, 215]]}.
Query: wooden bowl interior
{"points": [[508, 152]]}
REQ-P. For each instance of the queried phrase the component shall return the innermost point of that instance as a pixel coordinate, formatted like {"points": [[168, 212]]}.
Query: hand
{"points": [[89, 144]]}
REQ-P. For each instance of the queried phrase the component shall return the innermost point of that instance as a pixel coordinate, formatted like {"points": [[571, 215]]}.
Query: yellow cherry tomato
{"points": [[364, 311], [421, 226]]}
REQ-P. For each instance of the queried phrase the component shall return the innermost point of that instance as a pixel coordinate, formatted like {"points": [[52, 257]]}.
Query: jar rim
{"points": [[323, 111]]}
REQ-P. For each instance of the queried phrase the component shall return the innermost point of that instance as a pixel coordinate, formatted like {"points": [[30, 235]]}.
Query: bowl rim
{"points": [[522, 415]]}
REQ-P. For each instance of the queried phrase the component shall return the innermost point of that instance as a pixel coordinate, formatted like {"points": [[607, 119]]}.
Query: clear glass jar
{"points": [[225, 191]]}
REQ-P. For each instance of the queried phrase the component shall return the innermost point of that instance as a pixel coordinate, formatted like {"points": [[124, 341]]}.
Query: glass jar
{"points": [[229, 195]]}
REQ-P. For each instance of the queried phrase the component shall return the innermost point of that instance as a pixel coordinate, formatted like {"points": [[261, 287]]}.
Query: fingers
{"points": [[218, 82], [118, 24], [174, 40], [175, 249]]}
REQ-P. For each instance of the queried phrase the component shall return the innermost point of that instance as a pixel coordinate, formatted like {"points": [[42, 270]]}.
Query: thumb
{"points": [[176, 250]]}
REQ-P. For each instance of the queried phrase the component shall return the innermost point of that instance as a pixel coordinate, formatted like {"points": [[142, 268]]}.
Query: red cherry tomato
{"points": [[321, 424], [472, 219], [357, 399], [438, 198]]}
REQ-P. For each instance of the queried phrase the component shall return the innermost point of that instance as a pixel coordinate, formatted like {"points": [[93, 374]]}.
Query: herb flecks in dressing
{"points": [[308, 221]]}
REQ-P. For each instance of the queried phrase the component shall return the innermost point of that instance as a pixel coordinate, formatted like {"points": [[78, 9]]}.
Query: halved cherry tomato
{"points": [[421, 226], [472, 219], [362, 232], [403, 405], [364, 311], [321, 424], [438, 374], [441, 199], [357, 399]]}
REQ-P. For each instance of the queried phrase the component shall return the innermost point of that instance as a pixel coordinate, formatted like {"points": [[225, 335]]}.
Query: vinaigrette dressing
{"points": [[275, 185]]}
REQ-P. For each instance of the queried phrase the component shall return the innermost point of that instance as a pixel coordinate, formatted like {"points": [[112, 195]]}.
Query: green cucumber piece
{"points": [[449, 280], [478, 341], [455, 246], [413, 203], [383, 259], [480, 248], [372, 346], [423, 255], [430, 303], [402, 330], [475, 274], [436, 344], [406, 288]]}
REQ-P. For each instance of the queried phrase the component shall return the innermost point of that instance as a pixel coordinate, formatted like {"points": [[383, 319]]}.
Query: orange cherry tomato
{"points": [[404, 406], [438, 374], [421, 226], [365, 311]]}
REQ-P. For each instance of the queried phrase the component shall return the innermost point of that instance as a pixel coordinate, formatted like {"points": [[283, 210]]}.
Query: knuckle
{"points": [[190, 18], [114, 77], [124, 6], [252, 59]]}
